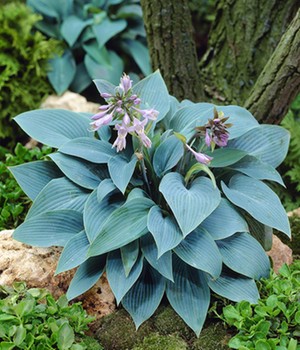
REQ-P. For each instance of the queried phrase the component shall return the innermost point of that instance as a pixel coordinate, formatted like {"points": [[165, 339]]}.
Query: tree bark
{"points": [[172, 48], [244, 35], [279, 82]]}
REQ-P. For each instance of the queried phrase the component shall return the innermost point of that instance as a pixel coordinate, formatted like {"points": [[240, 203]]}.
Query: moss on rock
{"points": [[162, 342], [294, 244], [213, 336]]}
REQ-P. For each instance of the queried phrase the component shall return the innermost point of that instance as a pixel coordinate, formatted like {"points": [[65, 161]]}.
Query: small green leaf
{"points": [[197, 168], [66, 337]]}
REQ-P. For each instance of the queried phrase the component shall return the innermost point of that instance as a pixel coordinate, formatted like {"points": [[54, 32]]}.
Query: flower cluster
{"points": [[123, 107], [215, 133]]}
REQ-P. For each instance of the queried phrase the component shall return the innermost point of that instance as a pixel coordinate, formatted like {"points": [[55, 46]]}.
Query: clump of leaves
{"points": [[99, 36], [33, 319], [274, 323], [23, 64], [13, 201]]}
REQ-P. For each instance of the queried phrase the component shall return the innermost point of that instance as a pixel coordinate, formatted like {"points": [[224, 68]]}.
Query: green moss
{"points": [[294, 244], [117, 331], [212, 337], [161, 342], [91, 343]]}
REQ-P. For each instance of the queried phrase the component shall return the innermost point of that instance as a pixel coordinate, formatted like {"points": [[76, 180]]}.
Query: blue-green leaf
{"points": [[199, 250], [59, 194], [224, 221], [167, 155], [258, 200], [53, 228], [164, 229], [144, 297], [124, 225], [83, 173], [53, 127], [74, 253], [129, 254], [189, 295], [257, 169], [34, 176], [243, 254], [63, 70], [81, 80], [119, 282], [174, 105], [96, 214], [71, 28], [163, 264], [110, 72], [106, 187], [192, 205], [223, 157], [121, 170], [45, 7], [86, 276], [100, 55], [140, 54], [262, 233], [95, 151], [104, 86], [235, 288], [108, 29], [153, 93], [269, 143]]}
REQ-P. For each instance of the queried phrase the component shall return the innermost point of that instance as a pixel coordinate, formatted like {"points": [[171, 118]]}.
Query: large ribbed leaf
{"points": [[60, 193], [164, 229], [95, 214], [149, 89], [189, 295], [83, 173], [124, 225], [117, 279], [269, 143], [71, 28], [257, 169], [190, 205], [74, 252], [163, 264], [243, 254], [167, 155], [34, 176], [105, 187], [86, 276], [129, 254], [139, 53], [144, 297], [51, 228], [104, 86], [262, 233], [199, 250], [121, 170], [235, 288], [107, 29], [95, 151], [224, 221], [258, 200]]}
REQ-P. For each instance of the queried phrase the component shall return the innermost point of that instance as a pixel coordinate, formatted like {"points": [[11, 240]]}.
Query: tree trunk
{"points": [[244, 35], [172, 48], [268, 101]]}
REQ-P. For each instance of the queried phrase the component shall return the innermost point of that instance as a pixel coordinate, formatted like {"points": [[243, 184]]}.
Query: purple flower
{"points": [[105, 95], [99, 115], [148, 113], [120, 141], [200, 157], [146, 141], [126, 119], [125, 83], [207, 138], [138, 126], [95, 125]]}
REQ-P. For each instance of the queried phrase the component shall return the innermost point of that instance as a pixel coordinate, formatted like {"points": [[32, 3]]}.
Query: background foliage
{"points": [[23, 65], [101, 40]]}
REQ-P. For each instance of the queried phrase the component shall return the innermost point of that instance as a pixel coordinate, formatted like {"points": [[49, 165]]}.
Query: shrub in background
{"points": [[33, 319], [101, 38], [23, 64], [166, 200], [274, 323], [14, 203]]}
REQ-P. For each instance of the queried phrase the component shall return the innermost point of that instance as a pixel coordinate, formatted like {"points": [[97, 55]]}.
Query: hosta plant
{"points": [[100, 37], [166, 197]]}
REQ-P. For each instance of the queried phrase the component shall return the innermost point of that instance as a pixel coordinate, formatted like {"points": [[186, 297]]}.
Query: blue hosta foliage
{"points": [[153, 220]]}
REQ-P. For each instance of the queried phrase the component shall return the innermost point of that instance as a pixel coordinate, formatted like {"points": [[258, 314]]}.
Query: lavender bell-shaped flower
{"points": [[200, 157]]}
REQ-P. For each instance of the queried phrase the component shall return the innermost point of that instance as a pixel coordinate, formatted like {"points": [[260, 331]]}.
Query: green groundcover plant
{"points": [[166, 197], [274, 323], [100, 36], [14, 203], [33, 319]]}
